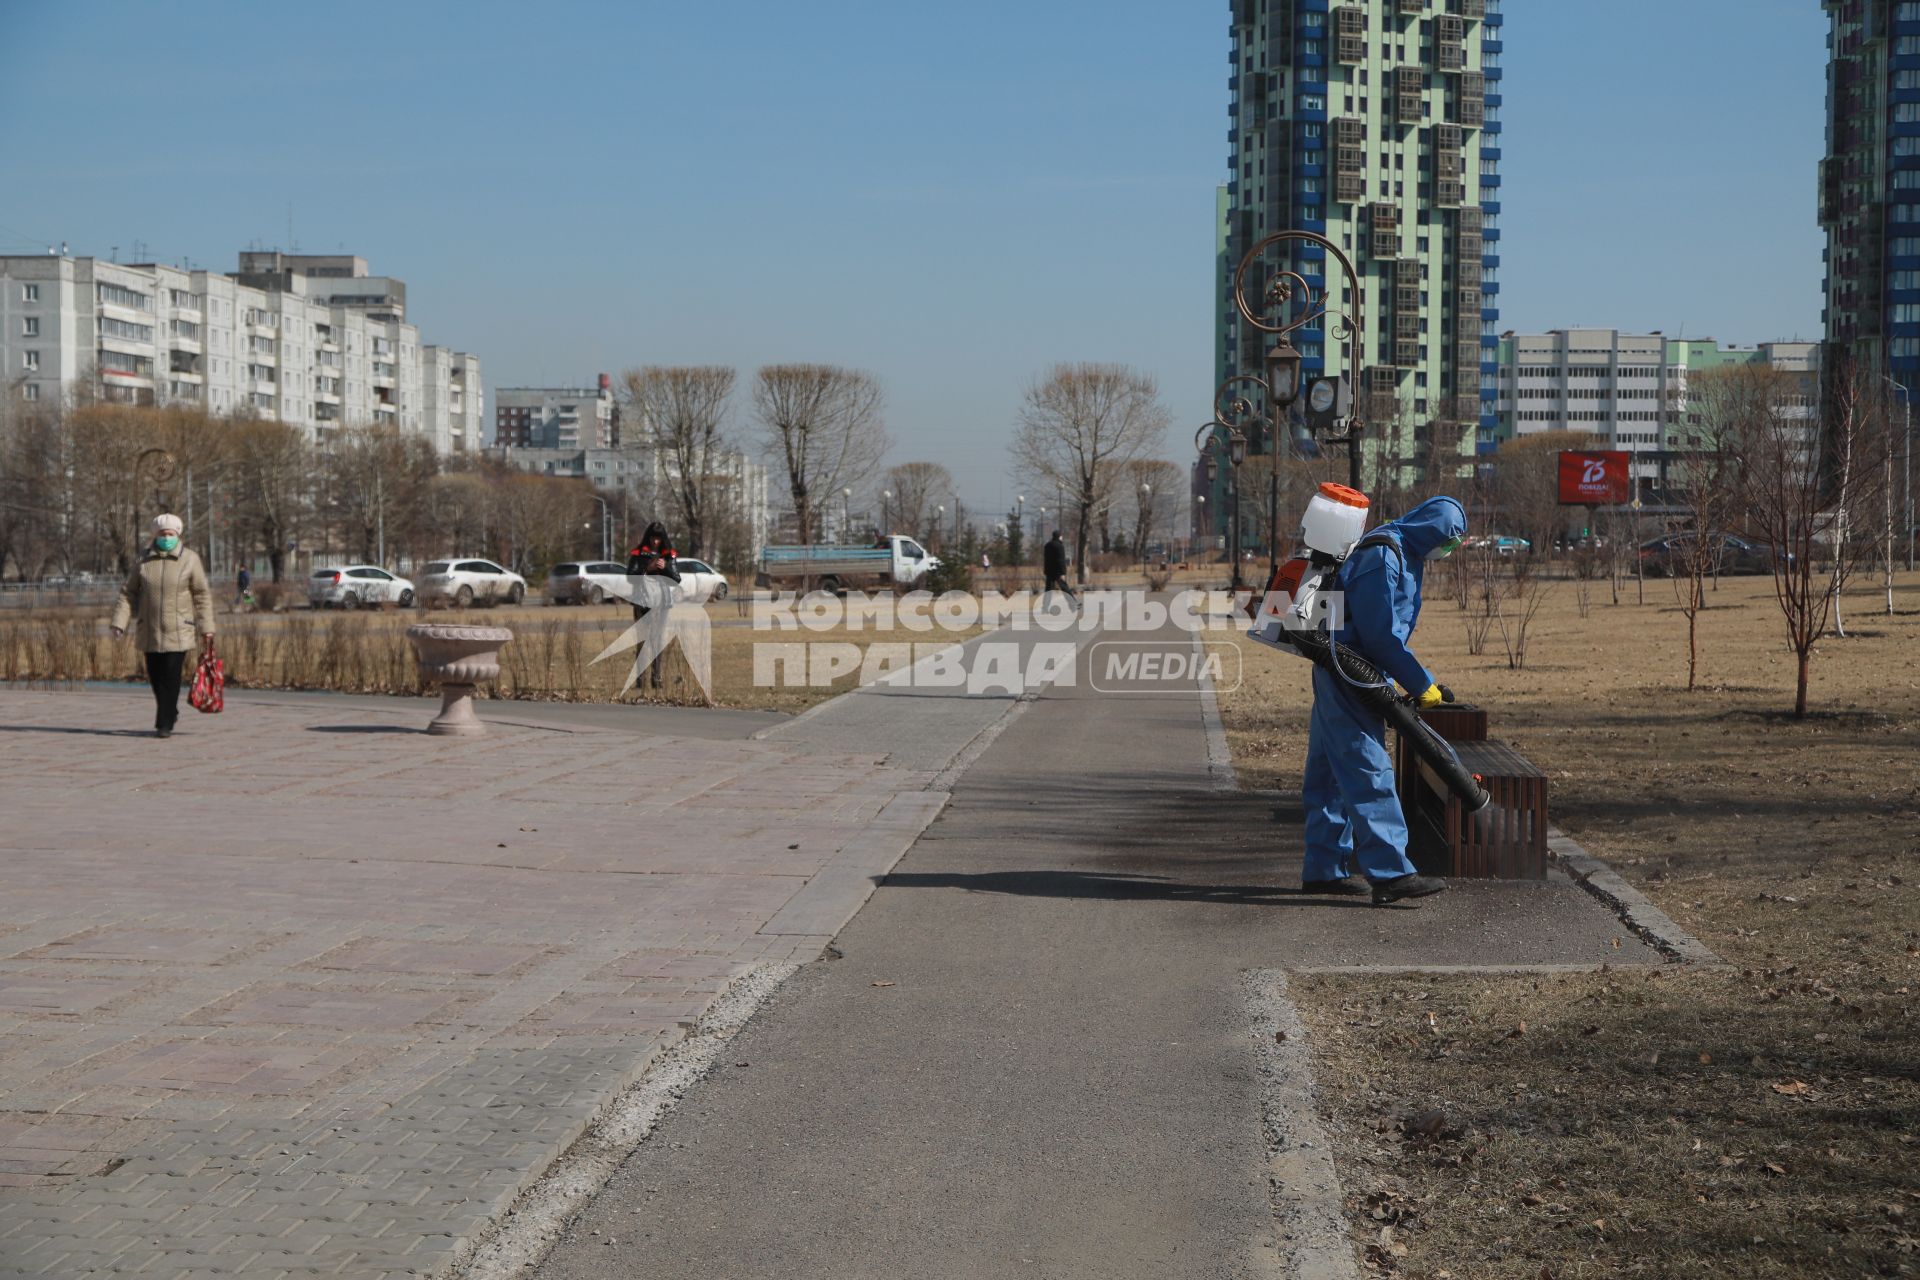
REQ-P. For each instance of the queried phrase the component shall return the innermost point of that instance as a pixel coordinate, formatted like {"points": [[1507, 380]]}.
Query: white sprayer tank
{"points": [[1335, 520]]}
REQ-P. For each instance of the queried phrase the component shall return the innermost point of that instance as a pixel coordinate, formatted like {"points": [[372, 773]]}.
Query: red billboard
{"points": [[1596, 479]]}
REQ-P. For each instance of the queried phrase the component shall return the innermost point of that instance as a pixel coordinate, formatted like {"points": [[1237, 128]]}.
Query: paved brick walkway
{"points": [[307, 992]]}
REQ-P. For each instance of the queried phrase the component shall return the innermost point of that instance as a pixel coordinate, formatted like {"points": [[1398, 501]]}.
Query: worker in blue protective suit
{"points": [[1353, 814]]}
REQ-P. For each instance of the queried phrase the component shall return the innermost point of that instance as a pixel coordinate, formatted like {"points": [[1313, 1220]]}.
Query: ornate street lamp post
{"points": [[1211, 441], [1287, 303]]}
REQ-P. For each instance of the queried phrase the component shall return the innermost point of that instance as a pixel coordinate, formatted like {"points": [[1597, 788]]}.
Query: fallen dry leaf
{"points": [[883, 984], [1779, 1171], [1793, 1088]]}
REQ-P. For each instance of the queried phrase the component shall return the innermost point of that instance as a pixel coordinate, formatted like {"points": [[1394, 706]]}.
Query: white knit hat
{"points": [[167, 524]]}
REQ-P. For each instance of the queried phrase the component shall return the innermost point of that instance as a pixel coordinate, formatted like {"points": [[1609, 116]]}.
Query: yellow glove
{"points": [[1433, 697]]}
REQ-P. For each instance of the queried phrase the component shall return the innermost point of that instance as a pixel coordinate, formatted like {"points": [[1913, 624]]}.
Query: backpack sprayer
{"points": [[1296, 617]]}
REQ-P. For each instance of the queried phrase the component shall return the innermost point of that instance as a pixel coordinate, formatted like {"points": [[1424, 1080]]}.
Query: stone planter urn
{"points": [[459, 658]]}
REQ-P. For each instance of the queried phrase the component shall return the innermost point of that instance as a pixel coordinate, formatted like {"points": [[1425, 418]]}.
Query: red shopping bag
{"points": [[209, 693]]}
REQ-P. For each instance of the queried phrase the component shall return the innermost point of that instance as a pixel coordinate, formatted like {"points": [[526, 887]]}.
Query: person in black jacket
{"points": [[652, 557], [1053, 559]]}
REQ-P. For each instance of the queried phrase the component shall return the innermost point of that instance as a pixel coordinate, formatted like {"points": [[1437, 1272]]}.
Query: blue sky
{"points": [[953, 196]]}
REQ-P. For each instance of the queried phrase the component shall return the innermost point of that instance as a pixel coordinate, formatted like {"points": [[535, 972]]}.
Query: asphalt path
{"points": [[1030, 1056]]}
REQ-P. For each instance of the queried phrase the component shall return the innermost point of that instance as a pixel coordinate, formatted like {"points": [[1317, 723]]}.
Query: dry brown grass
{"points": [[550, 659], [1756, 1120]]}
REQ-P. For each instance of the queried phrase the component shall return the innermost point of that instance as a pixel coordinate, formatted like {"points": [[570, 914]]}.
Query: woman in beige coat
{"points": [[165, 600]]}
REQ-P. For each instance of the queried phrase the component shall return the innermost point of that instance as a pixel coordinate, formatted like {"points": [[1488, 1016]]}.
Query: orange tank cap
{"points": [[1342, 494]]}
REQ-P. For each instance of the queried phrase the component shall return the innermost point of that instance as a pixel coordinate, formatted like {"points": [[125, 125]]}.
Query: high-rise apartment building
{"points": [[1870, 186], [1627, 389], [556, 417], [308, 340], [1377, 124]]}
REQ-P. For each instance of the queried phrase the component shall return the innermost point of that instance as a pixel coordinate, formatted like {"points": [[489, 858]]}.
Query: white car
{"points": [[465, 582], [700, 582], [586, 582], [350, 586]]}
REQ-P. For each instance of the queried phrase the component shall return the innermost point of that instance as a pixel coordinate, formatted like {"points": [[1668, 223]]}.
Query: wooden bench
{"points": [[1509, 840]]}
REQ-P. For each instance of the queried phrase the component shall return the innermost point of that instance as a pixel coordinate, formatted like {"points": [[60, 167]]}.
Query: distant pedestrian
{"points": [[243, 588], [1053, 560], [165, 600], [654, 557], [984, 562]]}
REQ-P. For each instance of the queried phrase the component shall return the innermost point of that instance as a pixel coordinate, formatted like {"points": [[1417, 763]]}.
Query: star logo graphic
{"points": [[660, 624]]}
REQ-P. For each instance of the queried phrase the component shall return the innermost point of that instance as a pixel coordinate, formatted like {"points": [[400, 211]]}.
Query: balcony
{"points": [[1350, 188], [1408, 89], [1450, 58], [1410, 8]]}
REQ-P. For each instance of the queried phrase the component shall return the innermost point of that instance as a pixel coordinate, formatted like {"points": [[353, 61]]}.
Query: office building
{"points": [[312, 341], [1375, 123], [564, 418], [1629, 390]]}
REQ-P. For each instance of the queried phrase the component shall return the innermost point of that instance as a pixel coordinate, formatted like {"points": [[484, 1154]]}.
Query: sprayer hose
{"points": [[1370, 685]]}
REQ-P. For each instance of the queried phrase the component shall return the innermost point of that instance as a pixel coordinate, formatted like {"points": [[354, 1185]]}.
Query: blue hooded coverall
{"points": [[1353, 813]]}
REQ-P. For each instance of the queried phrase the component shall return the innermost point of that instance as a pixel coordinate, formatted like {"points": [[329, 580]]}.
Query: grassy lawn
{"points": [[550, 658], [1761, 1119]]}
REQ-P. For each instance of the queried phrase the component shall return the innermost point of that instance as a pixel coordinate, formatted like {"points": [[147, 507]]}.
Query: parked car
{"points": [[700, 582], [1499, 543], [349, 586], [586, 582], [464, 582], [1671, 554]]}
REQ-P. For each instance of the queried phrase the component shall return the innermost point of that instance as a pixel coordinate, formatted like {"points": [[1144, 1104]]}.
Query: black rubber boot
{"points": [[1409, 886]]}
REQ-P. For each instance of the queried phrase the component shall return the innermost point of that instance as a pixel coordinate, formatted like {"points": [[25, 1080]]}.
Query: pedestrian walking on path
{"points": [[1354, 820], [654, 557], [243, 588], [165, 600], [1053, 559]]}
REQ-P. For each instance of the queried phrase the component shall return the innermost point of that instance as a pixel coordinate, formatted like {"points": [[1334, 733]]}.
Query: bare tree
{"points": [[917, 487], [1805, 470], [1078, 425], [1154, 488], [684, 409], [382, 475], [823, 423], [274, 472]]}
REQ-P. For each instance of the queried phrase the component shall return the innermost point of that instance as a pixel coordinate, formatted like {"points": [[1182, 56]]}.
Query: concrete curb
{"points": [[522, 1237], [1219, 756], [1309, 1208], [1646, 921], [830, 898]]}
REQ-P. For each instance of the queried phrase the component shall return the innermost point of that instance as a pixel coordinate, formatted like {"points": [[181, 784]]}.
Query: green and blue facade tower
{"points": [[1377, 124]]}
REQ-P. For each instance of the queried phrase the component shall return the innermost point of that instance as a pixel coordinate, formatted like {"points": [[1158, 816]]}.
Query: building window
{"points": [[125, 331], [31, 391], [29, 293], [30, 359], [30, 326], [114, 295]]}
